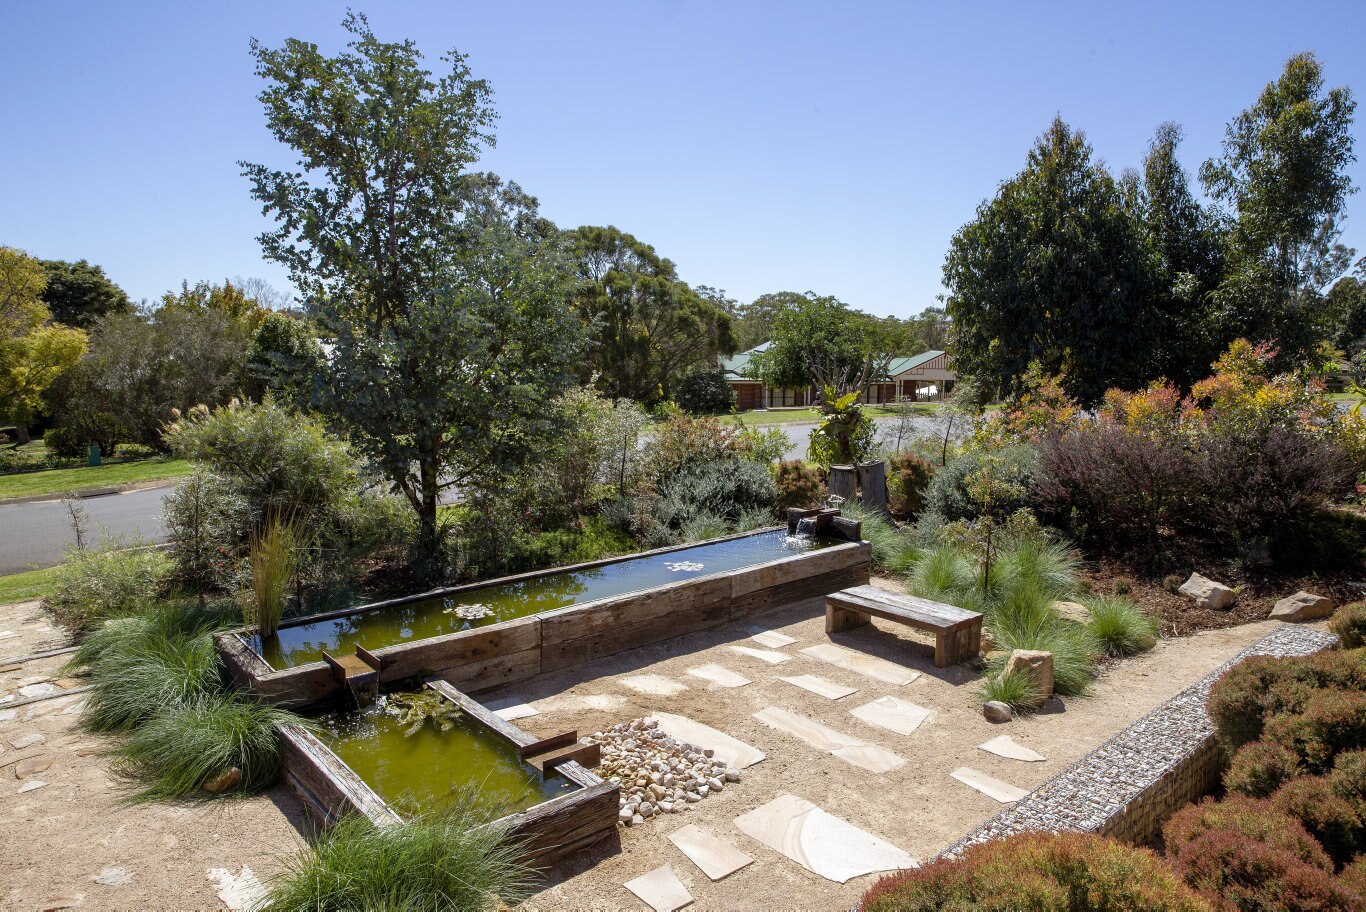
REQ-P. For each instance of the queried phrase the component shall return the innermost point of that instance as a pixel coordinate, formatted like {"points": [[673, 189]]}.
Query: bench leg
{"points": [[839, 619], [955, 646]]}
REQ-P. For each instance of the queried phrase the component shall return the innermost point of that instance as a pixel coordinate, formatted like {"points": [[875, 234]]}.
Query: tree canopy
{"points": [[79, 293], [648, 328], [34, 350]]}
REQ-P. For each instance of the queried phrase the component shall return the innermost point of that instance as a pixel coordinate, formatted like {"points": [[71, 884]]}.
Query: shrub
{"points": [[1121, 627], [1254, 876], [1328, 817], [1035, 565], [113, 580], [1349, 623], [67, 443], [1353, 877], [946, 496], [706, 393], [799, 485], [1321, 540], [1038, 871], [1259, 768], [682, 440], [425, 864], [727, 489], [908, 476], [1172, 583], [1118, 487], [1332, 721], [1348, 779], [184, 745], [765, 445], [1246, 694], [1251, 820], [138, 666]]}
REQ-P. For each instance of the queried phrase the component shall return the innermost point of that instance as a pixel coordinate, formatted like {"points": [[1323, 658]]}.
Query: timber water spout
{"points": [[359, 673]]}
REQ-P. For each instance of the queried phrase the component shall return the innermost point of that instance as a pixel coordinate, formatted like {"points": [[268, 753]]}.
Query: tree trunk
{"points": [[21, 433], [872, 478], [843, 482]]}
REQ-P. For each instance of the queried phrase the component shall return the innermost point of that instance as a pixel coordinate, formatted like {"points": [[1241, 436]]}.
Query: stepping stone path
{"points": [[1003, 792], [238, 891], [657, 774], [820, 842], [32, 785], [26, 741], [847, 748], [715, 857], [818, 685], [869, 666], [32, 766], [770, 638], [764, 655], [735, 752], [654, 684], [510, 708], [113, 877], [1005, 746], [660, 889], [900, 716], [719, 674]]}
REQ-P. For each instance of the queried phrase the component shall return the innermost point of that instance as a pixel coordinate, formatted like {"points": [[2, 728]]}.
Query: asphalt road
{"points": [[34, 535]]}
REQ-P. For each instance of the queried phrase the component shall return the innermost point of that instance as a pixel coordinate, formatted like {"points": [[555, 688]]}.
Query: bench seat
{"points": [[957, 633]]}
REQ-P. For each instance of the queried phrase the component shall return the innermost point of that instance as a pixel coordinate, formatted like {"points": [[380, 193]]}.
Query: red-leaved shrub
{"points": [[1349, 779], [1251, 819], [799, 485], [1251, 876], [1038, 871], [1330, 722], [1259, 768], [1328, 817], [907, 478], [1258, 688]]}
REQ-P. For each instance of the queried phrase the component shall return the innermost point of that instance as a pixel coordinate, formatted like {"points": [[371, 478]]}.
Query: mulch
{"points": [[1258, 591]]}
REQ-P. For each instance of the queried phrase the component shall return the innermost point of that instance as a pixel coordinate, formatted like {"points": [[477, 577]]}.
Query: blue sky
{"points": [[761, 146]]}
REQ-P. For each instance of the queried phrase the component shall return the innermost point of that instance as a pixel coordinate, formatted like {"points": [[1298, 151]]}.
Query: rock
{"points": [[1302, 606], [637, 820], [224, 781], [31, 785], [666, 806], [693, 797], [31, 766], [26, 741], [1073, 611], [715, 784], [996, 711], [1207, 593], [625, 814], [647, 809], [1035, 663], [732, 774], [113, 877]]}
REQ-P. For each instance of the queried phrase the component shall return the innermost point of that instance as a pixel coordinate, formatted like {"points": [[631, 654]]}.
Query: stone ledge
{"points": [[1127, 787]]}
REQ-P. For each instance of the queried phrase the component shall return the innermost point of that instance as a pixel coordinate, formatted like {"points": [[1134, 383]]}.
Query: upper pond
{"points": [[374, 628]]}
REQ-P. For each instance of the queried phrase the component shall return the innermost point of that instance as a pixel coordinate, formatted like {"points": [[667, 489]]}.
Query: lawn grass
{"points": [[1349, 398], [61, 481], [31, 584]]}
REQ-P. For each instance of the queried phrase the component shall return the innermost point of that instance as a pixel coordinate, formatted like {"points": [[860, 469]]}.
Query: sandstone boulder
{"points": [[228, 779], [1207, 593], [1073, 611], [1035, 663], [1302, 606]]}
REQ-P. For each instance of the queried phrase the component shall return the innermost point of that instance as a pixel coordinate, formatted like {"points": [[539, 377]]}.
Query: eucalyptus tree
{"points": [[442, 291], [647, 327], [1282, 183]]}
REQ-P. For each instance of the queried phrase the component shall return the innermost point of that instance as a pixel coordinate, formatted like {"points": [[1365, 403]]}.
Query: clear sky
{"points": [[830, 146]]}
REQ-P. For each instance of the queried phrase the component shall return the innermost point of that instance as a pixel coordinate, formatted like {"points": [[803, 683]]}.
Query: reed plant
{"points": [[274, 555], [450, 860]]}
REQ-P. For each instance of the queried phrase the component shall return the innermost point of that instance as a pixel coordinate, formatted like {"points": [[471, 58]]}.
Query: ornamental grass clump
{"points": [[1039, 871], [436, 862], [1120, 627], [274, 553], [1018, 691], [187, 745]]}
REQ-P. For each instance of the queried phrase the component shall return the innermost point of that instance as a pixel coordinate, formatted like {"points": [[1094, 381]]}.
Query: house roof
{"points": [[737, 367]]}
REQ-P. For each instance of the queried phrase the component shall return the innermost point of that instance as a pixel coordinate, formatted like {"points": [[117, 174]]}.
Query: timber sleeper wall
{"points": [[545, 832], [515, 650]]}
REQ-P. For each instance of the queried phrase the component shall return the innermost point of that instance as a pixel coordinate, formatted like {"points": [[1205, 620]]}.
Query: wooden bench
{"points": [[957, 633]]}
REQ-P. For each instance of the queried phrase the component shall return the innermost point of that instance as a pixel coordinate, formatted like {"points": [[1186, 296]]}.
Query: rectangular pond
{"points": [[302, 642]]}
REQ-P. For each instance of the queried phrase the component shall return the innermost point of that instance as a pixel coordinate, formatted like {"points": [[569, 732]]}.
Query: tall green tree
{"points": [[754, 321], [648, 327], [442, 291], [80, 293], [34, 350], [1052, 270], [1282, 183], [820, 341], [1183, 243]]}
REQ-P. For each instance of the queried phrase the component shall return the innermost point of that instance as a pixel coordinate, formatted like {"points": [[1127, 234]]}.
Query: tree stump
{"points": [[872, 477], [843, 482]]}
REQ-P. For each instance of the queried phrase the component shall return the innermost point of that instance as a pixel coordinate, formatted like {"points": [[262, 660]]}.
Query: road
{"points": [[34, 535]]}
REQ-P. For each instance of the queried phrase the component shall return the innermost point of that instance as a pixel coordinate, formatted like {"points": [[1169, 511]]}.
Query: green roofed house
{"points": [[925, 377]]}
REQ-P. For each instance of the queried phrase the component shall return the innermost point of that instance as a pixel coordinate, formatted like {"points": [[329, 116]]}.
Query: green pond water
{"points": [[377, 627], [428, 768]]}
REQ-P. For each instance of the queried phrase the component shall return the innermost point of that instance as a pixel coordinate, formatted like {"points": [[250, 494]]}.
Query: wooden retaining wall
{"points": [[546, 832], [487, 657]]}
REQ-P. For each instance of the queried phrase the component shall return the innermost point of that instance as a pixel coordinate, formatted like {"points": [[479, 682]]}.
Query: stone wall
{"points": [[1131, 784]]}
